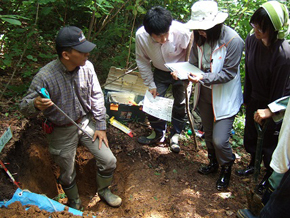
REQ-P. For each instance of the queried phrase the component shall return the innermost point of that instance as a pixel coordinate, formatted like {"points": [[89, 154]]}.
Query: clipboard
{"points": [[183, 69]]}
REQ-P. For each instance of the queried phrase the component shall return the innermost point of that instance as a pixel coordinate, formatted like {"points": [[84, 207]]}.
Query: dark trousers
{"points": [[279, 202], [163, 80], [250, 135]]}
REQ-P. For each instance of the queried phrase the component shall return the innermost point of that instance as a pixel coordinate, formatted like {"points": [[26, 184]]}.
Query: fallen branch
{"points": [[127, 72]]}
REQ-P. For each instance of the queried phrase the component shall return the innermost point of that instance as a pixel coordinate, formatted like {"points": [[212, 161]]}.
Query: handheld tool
{"points": [[254, 200], [44, 93], [258, 158], [3, 140], [9, 174]]}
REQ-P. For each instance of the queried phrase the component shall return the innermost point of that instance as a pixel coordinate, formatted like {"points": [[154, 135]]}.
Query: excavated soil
{"points": [[152, 181]]}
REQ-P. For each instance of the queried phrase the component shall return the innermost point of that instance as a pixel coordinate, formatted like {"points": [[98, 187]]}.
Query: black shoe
{"points": [[213, 165], [267, 194], [211, 168], [146, 141], [263, 185], [225, 175], [224, 179], [261, 188], [245, 213], [246, 172]]}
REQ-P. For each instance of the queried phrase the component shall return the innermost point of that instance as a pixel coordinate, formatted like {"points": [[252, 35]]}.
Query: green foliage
{"points": [[10, 19], [16, 90], [239, 123], [203, 145], [238, 130], [60, 196], [31, 26]]}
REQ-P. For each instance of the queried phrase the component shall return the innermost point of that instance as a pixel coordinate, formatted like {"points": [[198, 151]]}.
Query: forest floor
{"points": [[151, 180]]}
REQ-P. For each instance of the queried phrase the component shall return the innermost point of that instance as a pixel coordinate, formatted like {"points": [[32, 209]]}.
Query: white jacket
{"points": [[224, 78], [280, 162]]}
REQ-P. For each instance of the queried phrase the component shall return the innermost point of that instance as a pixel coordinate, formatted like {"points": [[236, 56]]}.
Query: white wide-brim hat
{"points": [[205, 15]]}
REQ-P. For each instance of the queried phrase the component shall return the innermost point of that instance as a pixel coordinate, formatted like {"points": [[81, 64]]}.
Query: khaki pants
{"points": [[63, 142]]}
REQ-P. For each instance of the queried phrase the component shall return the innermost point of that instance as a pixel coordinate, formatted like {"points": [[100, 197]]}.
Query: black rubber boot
{"points": [[212, 167], [225, 175], [263, 185], [268, 192], [224, 179], [248, 170]]}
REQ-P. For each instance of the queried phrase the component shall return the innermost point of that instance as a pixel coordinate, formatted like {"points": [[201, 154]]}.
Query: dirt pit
{"points": [[152, 181]]}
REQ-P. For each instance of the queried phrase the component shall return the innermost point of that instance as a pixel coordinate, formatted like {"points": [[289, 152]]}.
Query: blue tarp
{"points": [[44, 203]]}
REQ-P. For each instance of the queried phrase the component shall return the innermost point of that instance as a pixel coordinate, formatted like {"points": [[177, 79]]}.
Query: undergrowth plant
{"points": [[238, 131]]}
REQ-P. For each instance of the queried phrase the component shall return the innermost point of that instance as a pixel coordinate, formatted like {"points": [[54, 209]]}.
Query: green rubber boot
{"points": [[72, 194], [105, 193]]}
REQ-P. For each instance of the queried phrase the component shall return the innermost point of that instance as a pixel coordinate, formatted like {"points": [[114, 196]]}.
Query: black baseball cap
{"points": [[71, 36]]}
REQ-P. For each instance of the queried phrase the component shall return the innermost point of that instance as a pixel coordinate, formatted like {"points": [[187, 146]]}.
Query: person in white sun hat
{"points": [[217, 51]]}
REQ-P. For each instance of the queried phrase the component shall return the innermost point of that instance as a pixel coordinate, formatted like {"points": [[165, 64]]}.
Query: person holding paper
{"points": [[217, 51], [161, 40], [267, 65]]}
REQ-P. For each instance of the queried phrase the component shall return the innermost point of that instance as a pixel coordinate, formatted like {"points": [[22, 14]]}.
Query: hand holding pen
{"points": [[195, 77]]}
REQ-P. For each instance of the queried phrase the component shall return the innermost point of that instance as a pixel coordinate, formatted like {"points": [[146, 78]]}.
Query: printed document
{"points": [[183, 69], [158, 107]]}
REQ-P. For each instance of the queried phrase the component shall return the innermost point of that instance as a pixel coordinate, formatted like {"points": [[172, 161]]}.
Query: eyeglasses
{"points": [[255, 27]]}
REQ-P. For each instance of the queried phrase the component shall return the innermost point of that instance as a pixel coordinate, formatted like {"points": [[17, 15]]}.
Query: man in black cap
{"points": [[73, 86]]}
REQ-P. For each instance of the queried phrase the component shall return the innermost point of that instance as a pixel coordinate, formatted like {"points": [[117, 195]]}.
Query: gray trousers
{"points": [[63, 142], [217, 134]]}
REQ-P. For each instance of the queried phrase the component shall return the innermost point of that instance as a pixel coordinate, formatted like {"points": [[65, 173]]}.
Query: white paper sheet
{"points": [[158, 107], [183, 69]]}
